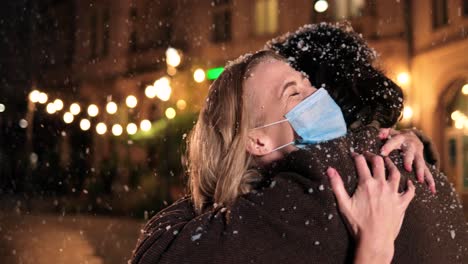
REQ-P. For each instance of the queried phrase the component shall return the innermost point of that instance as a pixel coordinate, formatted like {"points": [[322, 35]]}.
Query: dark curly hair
{"points": [[338, 59]]}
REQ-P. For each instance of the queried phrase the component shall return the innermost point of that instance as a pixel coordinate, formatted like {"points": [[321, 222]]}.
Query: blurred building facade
{"points": [[101, 51]]}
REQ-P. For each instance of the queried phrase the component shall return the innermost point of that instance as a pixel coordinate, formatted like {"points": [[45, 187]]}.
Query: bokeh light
{"points": [[145, 125], [111, 108], [170, 113], [117, 130], [85, 124]]}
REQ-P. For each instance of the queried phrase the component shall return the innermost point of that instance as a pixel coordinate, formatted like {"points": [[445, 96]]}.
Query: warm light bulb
{"points": [[111, 108], [145, 125], [132, 129], [172, 57], [68, 117], [150, 91], [181, 104], [321, 6], [456, 115], [117, 130], [23, 123], [93, 110], [50, 108], [403, 78], [85, 124], [170, 113], [75, 109], [42, 98], [407, 113], [101, 128], [34, 96], [199, 75], [163, 89], [58, 104], [131, 101], [465, 89]]}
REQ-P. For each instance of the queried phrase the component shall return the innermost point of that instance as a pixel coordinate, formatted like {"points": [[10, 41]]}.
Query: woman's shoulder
{"points": [[158, 232]]}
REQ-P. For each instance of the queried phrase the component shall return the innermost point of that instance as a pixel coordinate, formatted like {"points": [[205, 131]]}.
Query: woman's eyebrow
{"points": [[285, 86]]}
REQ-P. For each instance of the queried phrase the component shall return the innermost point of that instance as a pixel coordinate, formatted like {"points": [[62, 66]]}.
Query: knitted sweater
{"points": [[292, 217]]}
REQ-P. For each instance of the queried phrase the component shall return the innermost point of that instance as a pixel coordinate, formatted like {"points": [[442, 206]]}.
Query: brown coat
{"points": [[292, 218]]}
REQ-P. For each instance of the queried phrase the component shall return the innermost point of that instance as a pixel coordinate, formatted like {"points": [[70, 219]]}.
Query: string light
{"points": [[111, 108], [145, 125], [199, 75], [172, 57], [93, 110], [163, 88], [58, 104], [131, 101], [42, 98], [465, 89], [75, 109], [34, 96], [2, 108], [50, 108], [170, 113], [181, 104], [150, 91], [407, 113], [85, 124], [321, 6], [403, 78], [101, 128], [68, 117], [117, 130], [132, 129], [23, 123]]}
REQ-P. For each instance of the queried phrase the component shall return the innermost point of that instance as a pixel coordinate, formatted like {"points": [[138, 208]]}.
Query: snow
{"points": [[196, 237]]}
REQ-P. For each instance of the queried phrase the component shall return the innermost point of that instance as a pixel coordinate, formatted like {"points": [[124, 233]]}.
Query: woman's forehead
{"points": [[269, 71]]}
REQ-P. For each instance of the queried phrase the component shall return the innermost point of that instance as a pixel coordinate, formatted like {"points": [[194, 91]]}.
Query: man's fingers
{"points": [[392, 144], [429, 180], [408, 157], [384, 133], [338, 188], [420, 167]]}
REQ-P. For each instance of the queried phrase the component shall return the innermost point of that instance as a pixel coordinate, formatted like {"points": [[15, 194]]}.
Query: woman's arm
{"points": [[375, 212]]}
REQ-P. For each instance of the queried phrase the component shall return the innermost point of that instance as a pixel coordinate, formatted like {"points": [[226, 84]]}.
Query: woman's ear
{"points": [[258, 143]]}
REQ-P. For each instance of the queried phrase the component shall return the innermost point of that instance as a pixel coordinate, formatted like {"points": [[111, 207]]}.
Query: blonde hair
{"points": [[219, 167]]}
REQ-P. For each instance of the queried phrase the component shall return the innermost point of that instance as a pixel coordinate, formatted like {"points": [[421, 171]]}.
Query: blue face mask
{"points": [[316, 119]]}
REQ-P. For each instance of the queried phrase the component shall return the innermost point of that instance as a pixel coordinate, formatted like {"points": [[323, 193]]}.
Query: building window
{"points": [[106, 32], [465, 7], [266, 17], [345, 9], [132, 45], [151, 25], [93, 37], [221, 21], [99, 32], [439, 13]]}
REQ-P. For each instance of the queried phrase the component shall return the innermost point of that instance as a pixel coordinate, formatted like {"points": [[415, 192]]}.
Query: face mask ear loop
{"points": [[271, 124], [280, 147]]}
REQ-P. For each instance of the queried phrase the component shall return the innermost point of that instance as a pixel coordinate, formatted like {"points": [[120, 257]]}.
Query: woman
{"points": [[261, 208]]}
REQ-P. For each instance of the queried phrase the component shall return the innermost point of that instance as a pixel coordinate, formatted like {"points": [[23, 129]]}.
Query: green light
{"points": [[213, 73]]}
